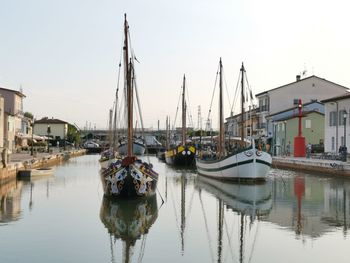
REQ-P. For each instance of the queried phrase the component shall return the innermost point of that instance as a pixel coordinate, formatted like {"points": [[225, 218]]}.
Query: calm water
{"points": [[293, 217]]}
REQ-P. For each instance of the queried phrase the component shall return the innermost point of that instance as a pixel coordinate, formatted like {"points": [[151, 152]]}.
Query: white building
{"points": [[13, 117], [278, 99], [2, 122], [335, 123], [53, 128]]}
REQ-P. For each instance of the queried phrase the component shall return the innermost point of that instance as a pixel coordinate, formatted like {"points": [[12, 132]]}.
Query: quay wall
{"points": [[10, 171], [326, 167]]}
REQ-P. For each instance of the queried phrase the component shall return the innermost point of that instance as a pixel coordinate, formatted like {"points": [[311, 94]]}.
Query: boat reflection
{"points": [[248, 199], [246, 204], [128, 220]]}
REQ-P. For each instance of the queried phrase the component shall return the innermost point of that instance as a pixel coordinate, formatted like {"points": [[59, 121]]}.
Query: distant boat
{"points": [[243, 162], [182, 154], [138, 147], [130, 176], [92, 147]]}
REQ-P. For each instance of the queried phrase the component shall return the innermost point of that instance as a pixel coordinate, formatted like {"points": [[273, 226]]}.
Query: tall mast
{"points": [[221, 116], [242, 103], [183, 112], [129, 91]]}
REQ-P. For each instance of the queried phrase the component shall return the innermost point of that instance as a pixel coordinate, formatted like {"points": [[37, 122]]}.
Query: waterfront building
{"points": [[2, 122], [308, 89], [53, 128], [335, 124], [13, 116], [250, 124], [285, 128]]}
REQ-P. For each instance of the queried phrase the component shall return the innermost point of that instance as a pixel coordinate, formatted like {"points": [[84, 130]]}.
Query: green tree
{"points": [[73, 134]]}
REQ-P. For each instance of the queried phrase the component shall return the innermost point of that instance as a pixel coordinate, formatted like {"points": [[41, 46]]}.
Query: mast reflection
{"points": [[128, 220], [248, 202]]}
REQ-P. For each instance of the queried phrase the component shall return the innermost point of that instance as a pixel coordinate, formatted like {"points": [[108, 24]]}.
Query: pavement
{"points": [[26, 155]]}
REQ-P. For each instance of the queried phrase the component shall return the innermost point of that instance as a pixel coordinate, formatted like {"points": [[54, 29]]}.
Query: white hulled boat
{"points": [[245, 162]]}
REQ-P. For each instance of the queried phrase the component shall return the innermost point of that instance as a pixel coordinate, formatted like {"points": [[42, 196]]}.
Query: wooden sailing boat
{"points": [[129, 176], [245, 163], [184, 153]]}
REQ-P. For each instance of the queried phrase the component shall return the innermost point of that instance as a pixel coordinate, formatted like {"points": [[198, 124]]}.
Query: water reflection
{"points": [[310, 205], [10, 201], [128, 220], [246, 203]]}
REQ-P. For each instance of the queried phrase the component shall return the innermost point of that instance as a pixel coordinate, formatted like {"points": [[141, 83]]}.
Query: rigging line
{"points": [[142, 249], [235, 97], [229, 240], [206, 226], [177, 109], [188, 107], [111, 247], [190, 206], [140, 113], [212, 96], [175, 211], [228, 95], [254, 241]]}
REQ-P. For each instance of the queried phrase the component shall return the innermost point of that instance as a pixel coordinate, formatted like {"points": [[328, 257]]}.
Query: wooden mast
{"points": [[221, 117], [183, 112], [129, 89], [242, 103]]}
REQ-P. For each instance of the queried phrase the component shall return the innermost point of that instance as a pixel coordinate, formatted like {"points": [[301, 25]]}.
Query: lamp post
{"points": [[48, 137], [285, 137], [32, 146], [65, 132], [336, 126], [345, 150]]}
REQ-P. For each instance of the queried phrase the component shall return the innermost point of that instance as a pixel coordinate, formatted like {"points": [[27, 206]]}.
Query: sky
{"points": [[65, 54]]}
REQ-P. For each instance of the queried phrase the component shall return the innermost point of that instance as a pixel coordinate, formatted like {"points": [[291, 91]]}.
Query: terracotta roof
{"points": [[50, 121], [341, 97], [313, 76]]}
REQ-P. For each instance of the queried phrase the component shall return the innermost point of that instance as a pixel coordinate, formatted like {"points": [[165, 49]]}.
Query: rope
{"points": [[212, 96], [177, 109], [228, 95]]}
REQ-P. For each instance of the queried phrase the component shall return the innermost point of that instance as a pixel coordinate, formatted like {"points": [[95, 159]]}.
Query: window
{"points": [[333, 146], [308, 124], [333, 118], [341, 117]]}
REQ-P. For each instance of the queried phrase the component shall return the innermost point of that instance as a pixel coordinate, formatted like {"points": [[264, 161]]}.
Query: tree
{"points": [[73, 134], [28, 115]]}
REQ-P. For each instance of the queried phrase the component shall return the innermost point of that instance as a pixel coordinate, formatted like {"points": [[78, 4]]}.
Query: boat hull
{"points": [[250, 199], [249, 164], [181, 156], [135, 179], [138, 148]]}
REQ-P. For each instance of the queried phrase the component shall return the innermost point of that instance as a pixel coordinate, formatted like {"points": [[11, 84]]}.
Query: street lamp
{"points": [[65, 132], [285, 137], [48, 137], [345, 150], [32, 147], [336, 127]]}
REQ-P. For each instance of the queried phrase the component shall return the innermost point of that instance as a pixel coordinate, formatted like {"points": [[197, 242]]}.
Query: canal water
{"points": [[293, 217]]}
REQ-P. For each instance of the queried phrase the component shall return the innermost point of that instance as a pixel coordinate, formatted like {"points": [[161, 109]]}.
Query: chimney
{"points": [[298, 78]]}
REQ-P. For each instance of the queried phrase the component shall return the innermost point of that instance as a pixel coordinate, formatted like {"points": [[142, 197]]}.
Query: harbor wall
{"points": [[10, 171], [326, 167]]}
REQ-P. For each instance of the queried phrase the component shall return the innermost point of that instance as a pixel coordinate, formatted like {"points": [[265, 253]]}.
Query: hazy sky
{"points": [[65, 53]]}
